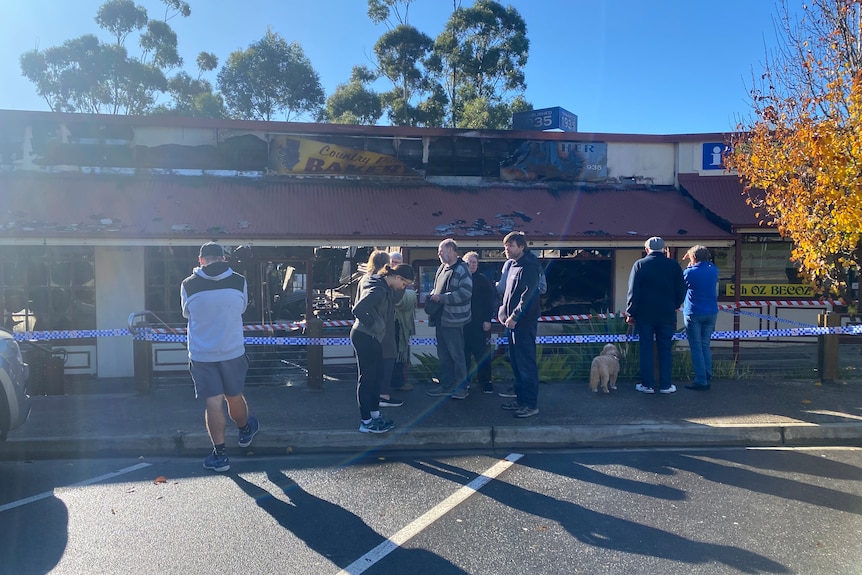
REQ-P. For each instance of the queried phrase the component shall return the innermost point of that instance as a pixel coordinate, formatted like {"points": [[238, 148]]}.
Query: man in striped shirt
{"points": [[448, 309]]}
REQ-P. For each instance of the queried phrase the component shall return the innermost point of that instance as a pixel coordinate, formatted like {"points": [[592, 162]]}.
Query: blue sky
{"points": [[622, 66]]}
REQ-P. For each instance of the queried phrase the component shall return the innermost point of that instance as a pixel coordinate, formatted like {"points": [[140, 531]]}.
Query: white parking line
{"points": [[48, 494], [429, 517]]}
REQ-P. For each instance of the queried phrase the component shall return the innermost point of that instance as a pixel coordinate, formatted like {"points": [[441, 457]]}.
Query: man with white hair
{"points": [[656, 291], [448, 309]]}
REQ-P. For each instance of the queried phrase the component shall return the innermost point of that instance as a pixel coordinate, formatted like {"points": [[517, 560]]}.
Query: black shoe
{"points": [[391, 402], [697, 387]]}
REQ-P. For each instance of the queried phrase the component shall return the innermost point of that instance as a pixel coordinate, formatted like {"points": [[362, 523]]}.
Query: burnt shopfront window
{"points": [[165, 269], [766, 270], [48, 288], [579, 281], [276, 278]]}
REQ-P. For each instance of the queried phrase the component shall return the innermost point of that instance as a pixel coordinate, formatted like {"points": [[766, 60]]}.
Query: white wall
{"points": [[653, 162], [119, 292], [160, 135]]}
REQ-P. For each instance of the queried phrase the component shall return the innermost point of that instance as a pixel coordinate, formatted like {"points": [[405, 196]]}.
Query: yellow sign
{"points": [[290, 155], [772, 290]]}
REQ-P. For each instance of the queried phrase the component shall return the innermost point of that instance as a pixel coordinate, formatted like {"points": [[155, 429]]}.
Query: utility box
{"points": [[47, 369]]}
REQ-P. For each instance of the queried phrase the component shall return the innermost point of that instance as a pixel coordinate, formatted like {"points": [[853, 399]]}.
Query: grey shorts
{"points": [[212, 378]]}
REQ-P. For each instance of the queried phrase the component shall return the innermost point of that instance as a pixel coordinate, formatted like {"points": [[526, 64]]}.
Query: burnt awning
{"points": [[725, 197], [345, 212]]}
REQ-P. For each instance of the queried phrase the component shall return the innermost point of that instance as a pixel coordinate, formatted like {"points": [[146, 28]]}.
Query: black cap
{"points": [[211, 249], [404, 270]]}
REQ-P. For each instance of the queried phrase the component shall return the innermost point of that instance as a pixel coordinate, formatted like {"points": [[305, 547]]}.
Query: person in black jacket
{"points": [[476, 332], [373, 311], [520, 315], [656, 291]]}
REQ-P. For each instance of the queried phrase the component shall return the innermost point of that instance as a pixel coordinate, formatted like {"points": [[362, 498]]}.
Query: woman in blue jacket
{"points": [[699, 311]]}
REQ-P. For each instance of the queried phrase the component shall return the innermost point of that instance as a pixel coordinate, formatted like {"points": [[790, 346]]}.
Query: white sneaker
{"points": [[671, 389], [644, 389]]}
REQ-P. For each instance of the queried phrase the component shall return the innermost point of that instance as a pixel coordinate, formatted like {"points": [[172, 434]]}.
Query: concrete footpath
{"points": [[108, 418]]}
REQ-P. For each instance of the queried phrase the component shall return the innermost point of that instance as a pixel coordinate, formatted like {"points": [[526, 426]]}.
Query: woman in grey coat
{"points": [[372, 311]]}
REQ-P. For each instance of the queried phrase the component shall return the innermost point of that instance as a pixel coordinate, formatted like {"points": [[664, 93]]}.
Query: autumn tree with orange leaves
{"points": [[803, 147]]}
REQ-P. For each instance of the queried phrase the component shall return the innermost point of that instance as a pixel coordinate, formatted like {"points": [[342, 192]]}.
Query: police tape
{"points": [[545, 339], [176, 334]]}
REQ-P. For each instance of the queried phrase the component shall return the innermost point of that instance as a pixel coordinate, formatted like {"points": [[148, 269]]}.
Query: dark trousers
{"points": [[399, 374], [476, 348], [369, 356], [450, 351], [663, 335], [522, 356]]}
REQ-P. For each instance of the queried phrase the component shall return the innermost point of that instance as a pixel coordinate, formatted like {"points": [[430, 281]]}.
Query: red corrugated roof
{"points": [[185, 207], [724, 196]]}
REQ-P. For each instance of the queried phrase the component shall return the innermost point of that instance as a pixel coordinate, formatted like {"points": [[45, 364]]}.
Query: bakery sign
{"points": [[291, 155]]}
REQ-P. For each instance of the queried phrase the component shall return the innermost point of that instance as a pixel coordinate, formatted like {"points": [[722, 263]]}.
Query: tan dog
{"points": [[605, 368]]}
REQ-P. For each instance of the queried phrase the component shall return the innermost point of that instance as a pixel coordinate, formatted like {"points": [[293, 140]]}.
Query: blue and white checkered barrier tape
{"points": [[69, 334], [144, 335]]}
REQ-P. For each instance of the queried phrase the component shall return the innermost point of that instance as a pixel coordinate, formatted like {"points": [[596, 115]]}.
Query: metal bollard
{"points": [[827, 348], [142, 353], [314, 354]]}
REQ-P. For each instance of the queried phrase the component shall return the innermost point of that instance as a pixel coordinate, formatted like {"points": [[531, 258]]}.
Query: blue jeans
{"points": [[663, 335], [450, 351], [522, 356], [698, 329]]}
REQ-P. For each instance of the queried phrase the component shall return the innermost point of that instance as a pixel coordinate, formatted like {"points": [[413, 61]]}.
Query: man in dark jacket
{"points": [[520, 315], [656, 291]]}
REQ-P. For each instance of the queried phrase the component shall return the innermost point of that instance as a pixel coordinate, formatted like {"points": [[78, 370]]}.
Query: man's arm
{"points": [[528, 288], [462, 282], [633, 294]]}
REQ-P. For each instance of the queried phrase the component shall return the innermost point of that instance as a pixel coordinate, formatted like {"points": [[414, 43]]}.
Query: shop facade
{"points": [[102, 217]]}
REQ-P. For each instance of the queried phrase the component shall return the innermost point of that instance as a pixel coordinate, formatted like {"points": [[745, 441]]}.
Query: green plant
{"points": [[555, 363], [427, 368]]}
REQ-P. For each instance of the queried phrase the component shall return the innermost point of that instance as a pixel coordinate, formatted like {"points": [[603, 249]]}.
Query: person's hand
{"points": [[486, 326], [510, 323], [630, 320], [435, 297]]}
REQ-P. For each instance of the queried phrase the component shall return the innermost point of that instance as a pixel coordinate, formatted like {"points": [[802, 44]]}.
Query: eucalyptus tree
{"points": [[85, 74], [479, 58], [269, 77], [194, 96], [401, 54], [355, 102]]}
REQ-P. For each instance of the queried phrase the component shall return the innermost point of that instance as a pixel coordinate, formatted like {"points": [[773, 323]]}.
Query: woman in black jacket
{"points": [[372, 310]]}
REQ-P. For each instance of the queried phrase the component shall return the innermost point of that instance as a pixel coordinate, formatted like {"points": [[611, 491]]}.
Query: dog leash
{"points": [[629, 331]]}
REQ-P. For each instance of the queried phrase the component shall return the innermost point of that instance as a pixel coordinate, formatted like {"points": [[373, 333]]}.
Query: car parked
{"points": [[14, 401]]}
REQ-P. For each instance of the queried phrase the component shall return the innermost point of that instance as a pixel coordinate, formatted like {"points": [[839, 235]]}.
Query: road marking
{"points": [[84, 483], [429, 517]]}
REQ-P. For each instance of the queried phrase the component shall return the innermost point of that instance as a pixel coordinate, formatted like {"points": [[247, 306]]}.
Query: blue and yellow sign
{"points": [[772, 290], [290, 155]]}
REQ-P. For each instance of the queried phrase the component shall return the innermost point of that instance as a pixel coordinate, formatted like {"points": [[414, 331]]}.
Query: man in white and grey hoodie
{"points": [[213, 299]]}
